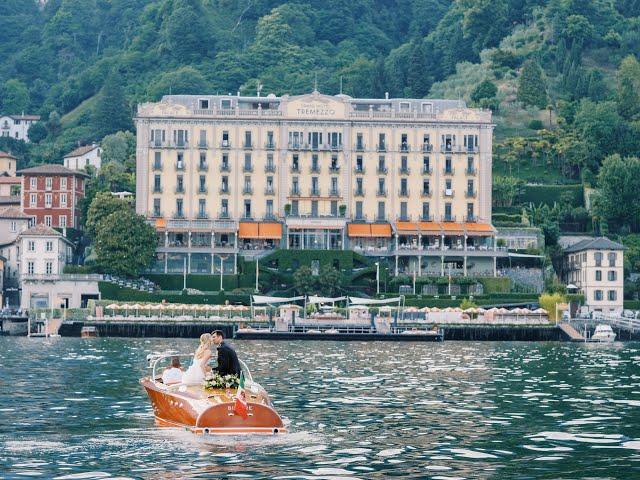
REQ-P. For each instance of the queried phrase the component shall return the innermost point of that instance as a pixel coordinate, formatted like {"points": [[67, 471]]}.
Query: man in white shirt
{"points": [[173, 374]]}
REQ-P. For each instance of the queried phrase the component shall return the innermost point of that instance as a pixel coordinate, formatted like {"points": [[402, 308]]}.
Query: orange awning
{"points": [[271, 231], [480, 229], [248, 230], [359, 230], [161, 223], [407, 226], [379, 230], [430, 227], [451, 228]]}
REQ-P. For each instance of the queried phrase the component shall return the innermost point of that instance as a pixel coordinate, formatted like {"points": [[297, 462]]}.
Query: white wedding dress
{"points": [[194, 374]]}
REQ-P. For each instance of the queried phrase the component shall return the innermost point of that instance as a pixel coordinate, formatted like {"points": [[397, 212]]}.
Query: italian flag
{"points": [[240, 407]]}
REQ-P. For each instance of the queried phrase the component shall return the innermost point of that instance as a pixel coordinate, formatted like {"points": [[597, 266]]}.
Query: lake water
{"points": [[72, 408]]}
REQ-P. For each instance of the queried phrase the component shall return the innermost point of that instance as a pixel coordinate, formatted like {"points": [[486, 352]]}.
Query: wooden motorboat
{"points": [[89, 332], [211, 411]]}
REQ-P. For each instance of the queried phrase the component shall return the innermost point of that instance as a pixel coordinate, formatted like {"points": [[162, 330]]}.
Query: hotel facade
{"points": [[406, 180]]}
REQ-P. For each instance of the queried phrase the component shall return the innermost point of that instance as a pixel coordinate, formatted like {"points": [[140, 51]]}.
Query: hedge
{"points": [[632, 304], [290, 260], [109, 291], [550, 194]]}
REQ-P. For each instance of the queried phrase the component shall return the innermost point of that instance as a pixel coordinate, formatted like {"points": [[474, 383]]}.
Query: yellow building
{"points": [[407, 179]]}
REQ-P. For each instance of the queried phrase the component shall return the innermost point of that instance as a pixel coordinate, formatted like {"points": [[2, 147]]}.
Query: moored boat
{"points": [[211, 411], [89, 332], [603, 334]]}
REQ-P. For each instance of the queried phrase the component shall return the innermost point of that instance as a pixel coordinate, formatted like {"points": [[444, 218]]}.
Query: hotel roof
{"points": [[597, 243], [51, 169], [78, 152]]}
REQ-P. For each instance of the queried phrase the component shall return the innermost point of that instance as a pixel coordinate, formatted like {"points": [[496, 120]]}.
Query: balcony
{"points": [[382, 169], [334, 169], [470, 171], [156, 214], [158, 143], [359, 170], [180, 166], [270, 146], [202, 215], [470, 219], [471, 149], [202, 144], [425, 193], [157, 189], [426, 218], [359, 147], [224, 190], [447, 148], [334, 192], [225, 167], [405, 147], [226, 144], [335, 147], [448, 218], [294, 192], [448, 192], [426, 170], [179, 189], [202, 189], [470, 194], [247, 168], [359, 192], [404, 170], [295, 169], [314, 169], [427, 147], [381, 218], [381, 192], [157, 166], [223, 214], [269, 191], [247, 145], [381, 147], [203, 167], [314, 192], [403, 192], [449, 171], [247, 190], [295, 146], [178, 215], [403, 218], [269, 168]]}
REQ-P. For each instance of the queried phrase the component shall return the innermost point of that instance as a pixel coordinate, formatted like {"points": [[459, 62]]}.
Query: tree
{"points": [[531, 87], [329, 281], [103, 205], [619, 184], [183, 81], [303, 281], [119, 147], [124, 243], [14, 97], [485, 89], [37, 132], [505, 190], [111, 112], [628, 94]]}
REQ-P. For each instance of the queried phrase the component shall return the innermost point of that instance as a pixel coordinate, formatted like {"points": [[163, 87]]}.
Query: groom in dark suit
{"points": [[227, 358]]}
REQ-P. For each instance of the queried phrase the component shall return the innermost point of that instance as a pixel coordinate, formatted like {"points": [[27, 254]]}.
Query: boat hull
{"points": [[210, 414]]}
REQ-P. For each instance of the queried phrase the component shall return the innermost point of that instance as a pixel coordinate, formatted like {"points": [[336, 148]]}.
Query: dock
{"points": [[396, 337], [570, 332]]}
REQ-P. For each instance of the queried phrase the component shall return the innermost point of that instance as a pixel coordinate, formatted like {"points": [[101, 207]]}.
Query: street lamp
{"points": [[377, 278], [257, 274], [222, 259]]}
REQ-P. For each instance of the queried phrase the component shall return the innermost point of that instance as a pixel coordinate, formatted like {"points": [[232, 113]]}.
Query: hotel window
{"points": [[179, 209], [314, 186], [335, 139], [156, 184], [612, 275], [295, 139], [403, 211], [180, 138], [404, 142], [63, 183], [470, 190], [448, 141], [447, 212], [470, 217], [314, 208], [157, 137], [180, 160], [404, 164], [49, 268], [33, 181], [31, 246], [157, 160], [247, 139], [247, 162], [269, 184], [295, 188], [405, 106], [381, 185], [269, 209], [180, 184], [447, 187], [598, 275], [270, 140], [203, 160], [48, 200], [30, 268], [225, 184], [448, 166], [359, 164], [203, 183], [612, 295], [63, 199], [470, 141], [470, 167], [381, 142], [225, 162], [334, 208], [247, 209], [225, 104], [247, 184], [314, 163], [204, 104], [426, 165], [33, 200], [359, 190], [334, 185], [359, 142], [426, 189], [156, 207], [202, 208], [334, 162], [425, 211], [270, 164], [359, 210], [295, 208], [225, 138], [47, 220], [295, 163], [14, 226], [62, 221], [597, 295], [224, 208], [427, 107], [48, 246], [381, 164], [612, 259], [403, 187], [381, 211], [315, 139], [598, 258], [48, 183], [202, 142]]}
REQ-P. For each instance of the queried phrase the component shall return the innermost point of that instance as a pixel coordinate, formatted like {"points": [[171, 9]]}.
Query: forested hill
{"points": [[84, 64]]}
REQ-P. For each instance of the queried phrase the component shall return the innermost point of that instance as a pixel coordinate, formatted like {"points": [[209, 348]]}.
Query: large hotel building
{"points": [[406, 180]]}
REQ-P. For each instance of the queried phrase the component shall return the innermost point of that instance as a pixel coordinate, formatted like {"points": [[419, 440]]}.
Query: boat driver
{"points": [[172, 374], [228, 363]]}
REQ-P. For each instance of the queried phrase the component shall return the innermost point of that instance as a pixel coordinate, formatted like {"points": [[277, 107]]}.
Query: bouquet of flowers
{"points": [[215, 380]]}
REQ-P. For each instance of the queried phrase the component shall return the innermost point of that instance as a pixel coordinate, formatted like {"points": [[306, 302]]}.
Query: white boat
{"points": [[603, 333]]}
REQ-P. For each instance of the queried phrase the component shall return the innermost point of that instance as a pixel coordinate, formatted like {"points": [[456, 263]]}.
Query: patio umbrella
{"points": [[435, 309], [425, 309], [113, 306]]}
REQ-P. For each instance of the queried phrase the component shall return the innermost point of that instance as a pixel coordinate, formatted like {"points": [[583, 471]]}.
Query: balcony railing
{"points": [[359, 193], [294, 192], [334, 192], [157, 189], [470, 171], [295, 146], [202, 144], [179, 189], [470, 194], [426, 218], [270, 146], [449, 171], [448, 218], [381, 147], [180, 166], [269, 191], [314, 192], [404, 170], [359, 170], [427, 170], [247, 145], [427, 147], [405, 147], [178, 215], [381, 192], [223, 214], [470, 219], [202, 216], [382, 169], [226, 144], [294, 169], [157, 166], [314, 169], [224, 190], [202, 189], [225, 167], [247, 168], [247, 190], [448, 192], [359, 147], [203, 167], [335, 146], [269, 168], [334, 169], [425, 193], [403, 192]]}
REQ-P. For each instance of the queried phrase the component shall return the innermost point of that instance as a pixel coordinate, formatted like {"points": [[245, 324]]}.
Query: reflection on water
{"points": [[73, 409]]}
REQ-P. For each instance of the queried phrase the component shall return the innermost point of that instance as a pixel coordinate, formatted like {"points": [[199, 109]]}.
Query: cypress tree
{"points": [[531, 87], [111, 113]]}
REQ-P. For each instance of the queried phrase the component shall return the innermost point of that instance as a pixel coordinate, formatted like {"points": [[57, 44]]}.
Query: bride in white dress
{"points": [[199, 367]]}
